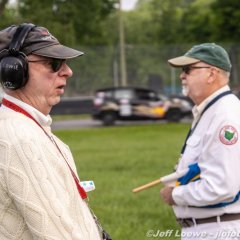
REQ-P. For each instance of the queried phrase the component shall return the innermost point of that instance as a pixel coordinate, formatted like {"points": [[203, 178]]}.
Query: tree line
{"points": [[95, 22], [155, 31]]}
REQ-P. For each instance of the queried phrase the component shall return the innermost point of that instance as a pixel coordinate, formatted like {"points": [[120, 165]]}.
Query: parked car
{"points": [[133, 103], [185, 104]]}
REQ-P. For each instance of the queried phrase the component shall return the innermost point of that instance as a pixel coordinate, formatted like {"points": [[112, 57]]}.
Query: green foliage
{"points": [[9, 15], [140, 27], [226, 19], [119, 159], [197, 22], [183, 21], [95, 22], [71, 21], [167, 14], [151, 29]]}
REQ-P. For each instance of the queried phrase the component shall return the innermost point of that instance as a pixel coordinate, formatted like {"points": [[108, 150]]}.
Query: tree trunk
{"points": [[2, 6]]}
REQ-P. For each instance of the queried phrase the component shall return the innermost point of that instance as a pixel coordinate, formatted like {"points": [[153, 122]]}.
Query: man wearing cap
{"points": [[40, 193], [206, 199]]}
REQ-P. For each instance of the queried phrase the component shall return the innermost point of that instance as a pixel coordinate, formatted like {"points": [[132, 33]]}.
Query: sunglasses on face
{"points": [[55, 63], [187, 69]]}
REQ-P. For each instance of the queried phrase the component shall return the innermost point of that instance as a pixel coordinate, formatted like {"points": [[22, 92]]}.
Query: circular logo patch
{"points": [[228, 135]]}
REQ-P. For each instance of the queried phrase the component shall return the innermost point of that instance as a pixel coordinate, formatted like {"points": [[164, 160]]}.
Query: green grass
{"points": [[119, 159], [69, 117]]}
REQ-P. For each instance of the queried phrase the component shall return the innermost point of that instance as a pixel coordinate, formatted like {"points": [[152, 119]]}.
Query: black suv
{"points": [[130, 103]]}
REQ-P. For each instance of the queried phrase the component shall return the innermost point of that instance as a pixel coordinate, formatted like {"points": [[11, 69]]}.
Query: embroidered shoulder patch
{"points": [[228, 135]]}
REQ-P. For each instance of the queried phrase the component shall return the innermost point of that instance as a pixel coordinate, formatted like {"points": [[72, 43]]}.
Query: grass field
{"points": [[119, 159]]}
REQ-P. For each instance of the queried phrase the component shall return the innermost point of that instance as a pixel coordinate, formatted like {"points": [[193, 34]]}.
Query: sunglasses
{"points": [[187, 69], [55, 63]]}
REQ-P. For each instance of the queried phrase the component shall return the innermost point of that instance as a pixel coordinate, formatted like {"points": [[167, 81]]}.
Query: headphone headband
{"points": [[19, 37]]}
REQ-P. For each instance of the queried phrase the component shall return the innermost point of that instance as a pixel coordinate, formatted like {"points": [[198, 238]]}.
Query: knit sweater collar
{"points": [[42, 119]]}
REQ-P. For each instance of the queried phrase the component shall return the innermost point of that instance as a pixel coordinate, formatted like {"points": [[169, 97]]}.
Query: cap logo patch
{"points": [[228, 135], [46, 35]]}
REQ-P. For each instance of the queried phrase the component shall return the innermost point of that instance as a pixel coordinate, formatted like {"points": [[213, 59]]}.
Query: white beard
{"points": [[185, 91]]}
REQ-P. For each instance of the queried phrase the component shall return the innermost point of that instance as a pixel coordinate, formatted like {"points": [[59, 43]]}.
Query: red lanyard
{"points": [[16, 108]]}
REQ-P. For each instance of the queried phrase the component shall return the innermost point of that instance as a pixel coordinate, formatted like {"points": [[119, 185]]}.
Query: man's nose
{"points": [[66, 70]]}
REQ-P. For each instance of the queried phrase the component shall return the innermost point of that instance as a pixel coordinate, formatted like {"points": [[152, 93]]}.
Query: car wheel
{"points": [[108, 118], [174, 115]]}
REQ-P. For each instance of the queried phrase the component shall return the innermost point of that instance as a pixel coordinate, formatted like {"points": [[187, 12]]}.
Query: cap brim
{"points": [[58, 51], [182, 61]]}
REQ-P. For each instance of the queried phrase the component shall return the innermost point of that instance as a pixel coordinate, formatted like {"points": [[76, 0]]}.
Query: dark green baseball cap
{"points": [[209, 53]]}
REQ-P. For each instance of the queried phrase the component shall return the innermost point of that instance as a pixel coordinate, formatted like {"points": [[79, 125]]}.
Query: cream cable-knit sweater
{"points": [[38, 195]]}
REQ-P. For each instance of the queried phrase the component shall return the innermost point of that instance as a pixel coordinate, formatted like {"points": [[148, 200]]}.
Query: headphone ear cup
{"points": [[14, 71]]}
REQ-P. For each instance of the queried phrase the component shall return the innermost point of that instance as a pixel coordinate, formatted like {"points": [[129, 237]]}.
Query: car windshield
{"points": [[124, 93]]}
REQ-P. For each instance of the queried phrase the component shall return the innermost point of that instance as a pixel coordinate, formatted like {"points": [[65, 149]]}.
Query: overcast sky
{"points": [[128, 4]]}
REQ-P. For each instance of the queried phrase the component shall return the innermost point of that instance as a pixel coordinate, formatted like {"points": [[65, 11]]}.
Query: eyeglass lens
{"points": [[186, 69], [56, 64]]}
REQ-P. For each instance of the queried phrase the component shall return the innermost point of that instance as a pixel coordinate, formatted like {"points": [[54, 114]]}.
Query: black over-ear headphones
{"points": [[14, 64]]}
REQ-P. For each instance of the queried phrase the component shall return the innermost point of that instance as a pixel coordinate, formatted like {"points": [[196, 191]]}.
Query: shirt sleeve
{"points": [[219, 168]]}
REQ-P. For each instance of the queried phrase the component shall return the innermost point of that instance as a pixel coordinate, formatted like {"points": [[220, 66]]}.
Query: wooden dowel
{"points": [[148, 185]]}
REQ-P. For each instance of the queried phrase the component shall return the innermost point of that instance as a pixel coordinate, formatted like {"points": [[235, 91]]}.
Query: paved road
{"points": [[89, 123], [73, 124]]}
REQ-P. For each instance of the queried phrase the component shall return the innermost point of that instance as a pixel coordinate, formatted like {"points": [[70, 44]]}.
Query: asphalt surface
{"points": [[73, 124], [89, 123]]}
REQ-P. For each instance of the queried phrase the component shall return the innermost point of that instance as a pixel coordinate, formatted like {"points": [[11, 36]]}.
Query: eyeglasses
{"points": [[187, 69], [55, 63]]}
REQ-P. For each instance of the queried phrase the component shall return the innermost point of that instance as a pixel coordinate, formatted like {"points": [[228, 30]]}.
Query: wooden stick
{"points": [[148, 185]]}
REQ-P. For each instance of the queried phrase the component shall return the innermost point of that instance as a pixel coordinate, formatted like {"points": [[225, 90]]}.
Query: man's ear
{"points": [[213, 75]]}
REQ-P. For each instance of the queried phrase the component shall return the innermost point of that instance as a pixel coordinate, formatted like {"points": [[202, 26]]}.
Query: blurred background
{"points": [[128, 42]]}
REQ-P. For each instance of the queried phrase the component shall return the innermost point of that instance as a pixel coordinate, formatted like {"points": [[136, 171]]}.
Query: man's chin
{"points": [[56, 101]]}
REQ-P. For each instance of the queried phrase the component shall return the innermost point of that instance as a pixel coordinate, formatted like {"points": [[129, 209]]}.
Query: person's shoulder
{"points": [[227, 103], [15, 126], [11, 116], [227, 111]]}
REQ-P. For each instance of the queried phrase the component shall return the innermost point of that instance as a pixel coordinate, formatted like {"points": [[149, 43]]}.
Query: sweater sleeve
{"points": [[43, 190]]}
